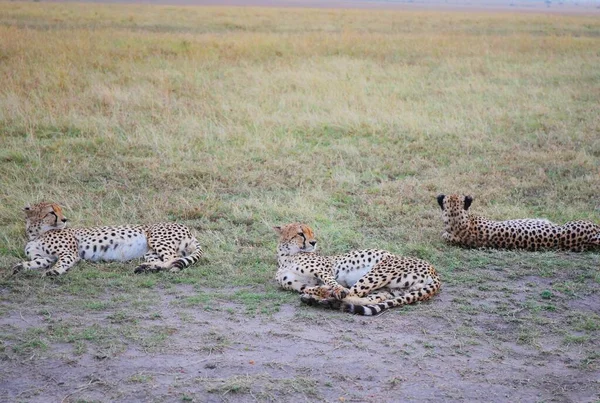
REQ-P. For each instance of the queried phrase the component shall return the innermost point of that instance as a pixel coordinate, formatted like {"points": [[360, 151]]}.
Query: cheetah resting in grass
{"points": [[463, 229], [164, 246], [364, 282]]}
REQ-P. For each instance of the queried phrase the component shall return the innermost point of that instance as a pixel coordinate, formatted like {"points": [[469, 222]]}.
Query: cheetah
{"points": [[463, 229], [52, 246], [364, 282]]}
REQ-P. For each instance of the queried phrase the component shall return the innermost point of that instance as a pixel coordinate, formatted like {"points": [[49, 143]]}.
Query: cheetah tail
{"points": [[371, 310], [404, 299], [187, 261]]}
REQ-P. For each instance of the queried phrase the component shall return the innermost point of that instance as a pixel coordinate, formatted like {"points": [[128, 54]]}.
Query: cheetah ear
{"points": [[468, 201], [440, 200], [277, 230]]}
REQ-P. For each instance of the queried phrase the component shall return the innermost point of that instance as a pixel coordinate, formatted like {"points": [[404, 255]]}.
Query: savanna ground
{"points": [[232, 120]]}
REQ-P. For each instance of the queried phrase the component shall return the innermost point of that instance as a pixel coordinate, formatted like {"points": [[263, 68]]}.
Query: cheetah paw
{"points": [[308, 299], [340, 292], [51, 273], [311, 300], [143, 268], [17, 268]]}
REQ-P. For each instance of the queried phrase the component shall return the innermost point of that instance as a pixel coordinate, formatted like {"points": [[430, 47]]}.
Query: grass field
{"points": [[232, 120]]}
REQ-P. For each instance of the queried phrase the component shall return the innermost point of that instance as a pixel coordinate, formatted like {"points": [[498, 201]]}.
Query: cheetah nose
{"points": [[313, 243], [64, 220]]}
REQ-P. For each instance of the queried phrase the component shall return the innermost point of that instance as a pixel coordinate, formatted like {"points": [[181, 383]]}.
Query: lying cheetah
{"points": [[464, 229], [377, 280], [163, 246]]}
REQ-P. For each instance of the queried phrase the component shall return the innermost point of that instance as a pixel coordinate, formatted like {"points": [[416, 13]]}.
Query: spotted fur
{"points": [[365, 282], [463, 229], [52, 246]]}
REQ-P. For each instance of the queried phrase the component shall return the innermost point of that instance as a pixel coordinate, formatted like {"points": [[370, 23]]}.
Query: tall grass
{"points": [[236, 119]]}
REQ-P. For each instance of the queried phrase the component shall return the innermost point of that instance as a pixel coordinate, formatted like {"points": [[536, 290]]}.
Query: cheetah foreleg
{"points": [[63, 264], [292, 281], [450, 238], [319, 292], [35, 264], [321, 296], [329, 302]]}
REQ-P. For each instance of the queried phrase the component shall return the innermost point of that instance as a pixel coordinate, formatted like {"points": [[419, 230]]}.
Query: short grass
{"points": [[232, 120]]}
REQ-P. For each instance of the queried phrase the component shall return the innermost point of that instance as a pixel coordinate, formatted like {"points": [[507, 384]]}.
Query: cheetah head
{"points": [[43, 217], [454, 211], [295, 238]]}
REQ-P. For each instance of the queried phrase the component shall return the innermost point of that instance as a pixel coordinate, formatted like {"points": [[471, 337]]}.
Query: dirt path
{"points": [[444, 350]]}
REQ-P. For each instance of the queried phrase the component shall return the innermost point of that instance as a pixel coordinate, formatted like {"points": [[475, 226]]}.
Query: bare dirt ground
{"points": [[457, 347]]}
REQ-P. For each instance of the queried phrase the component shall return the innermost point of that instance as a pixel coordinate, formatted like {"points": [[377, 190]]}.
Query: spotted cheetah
{"points": [[464, 229], [364, 282], [164, 246]]}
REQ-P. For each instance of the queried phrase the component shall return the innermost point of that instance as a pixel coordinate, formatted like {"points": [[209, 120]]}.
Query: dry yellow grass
{"points": [[341, 118]]}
